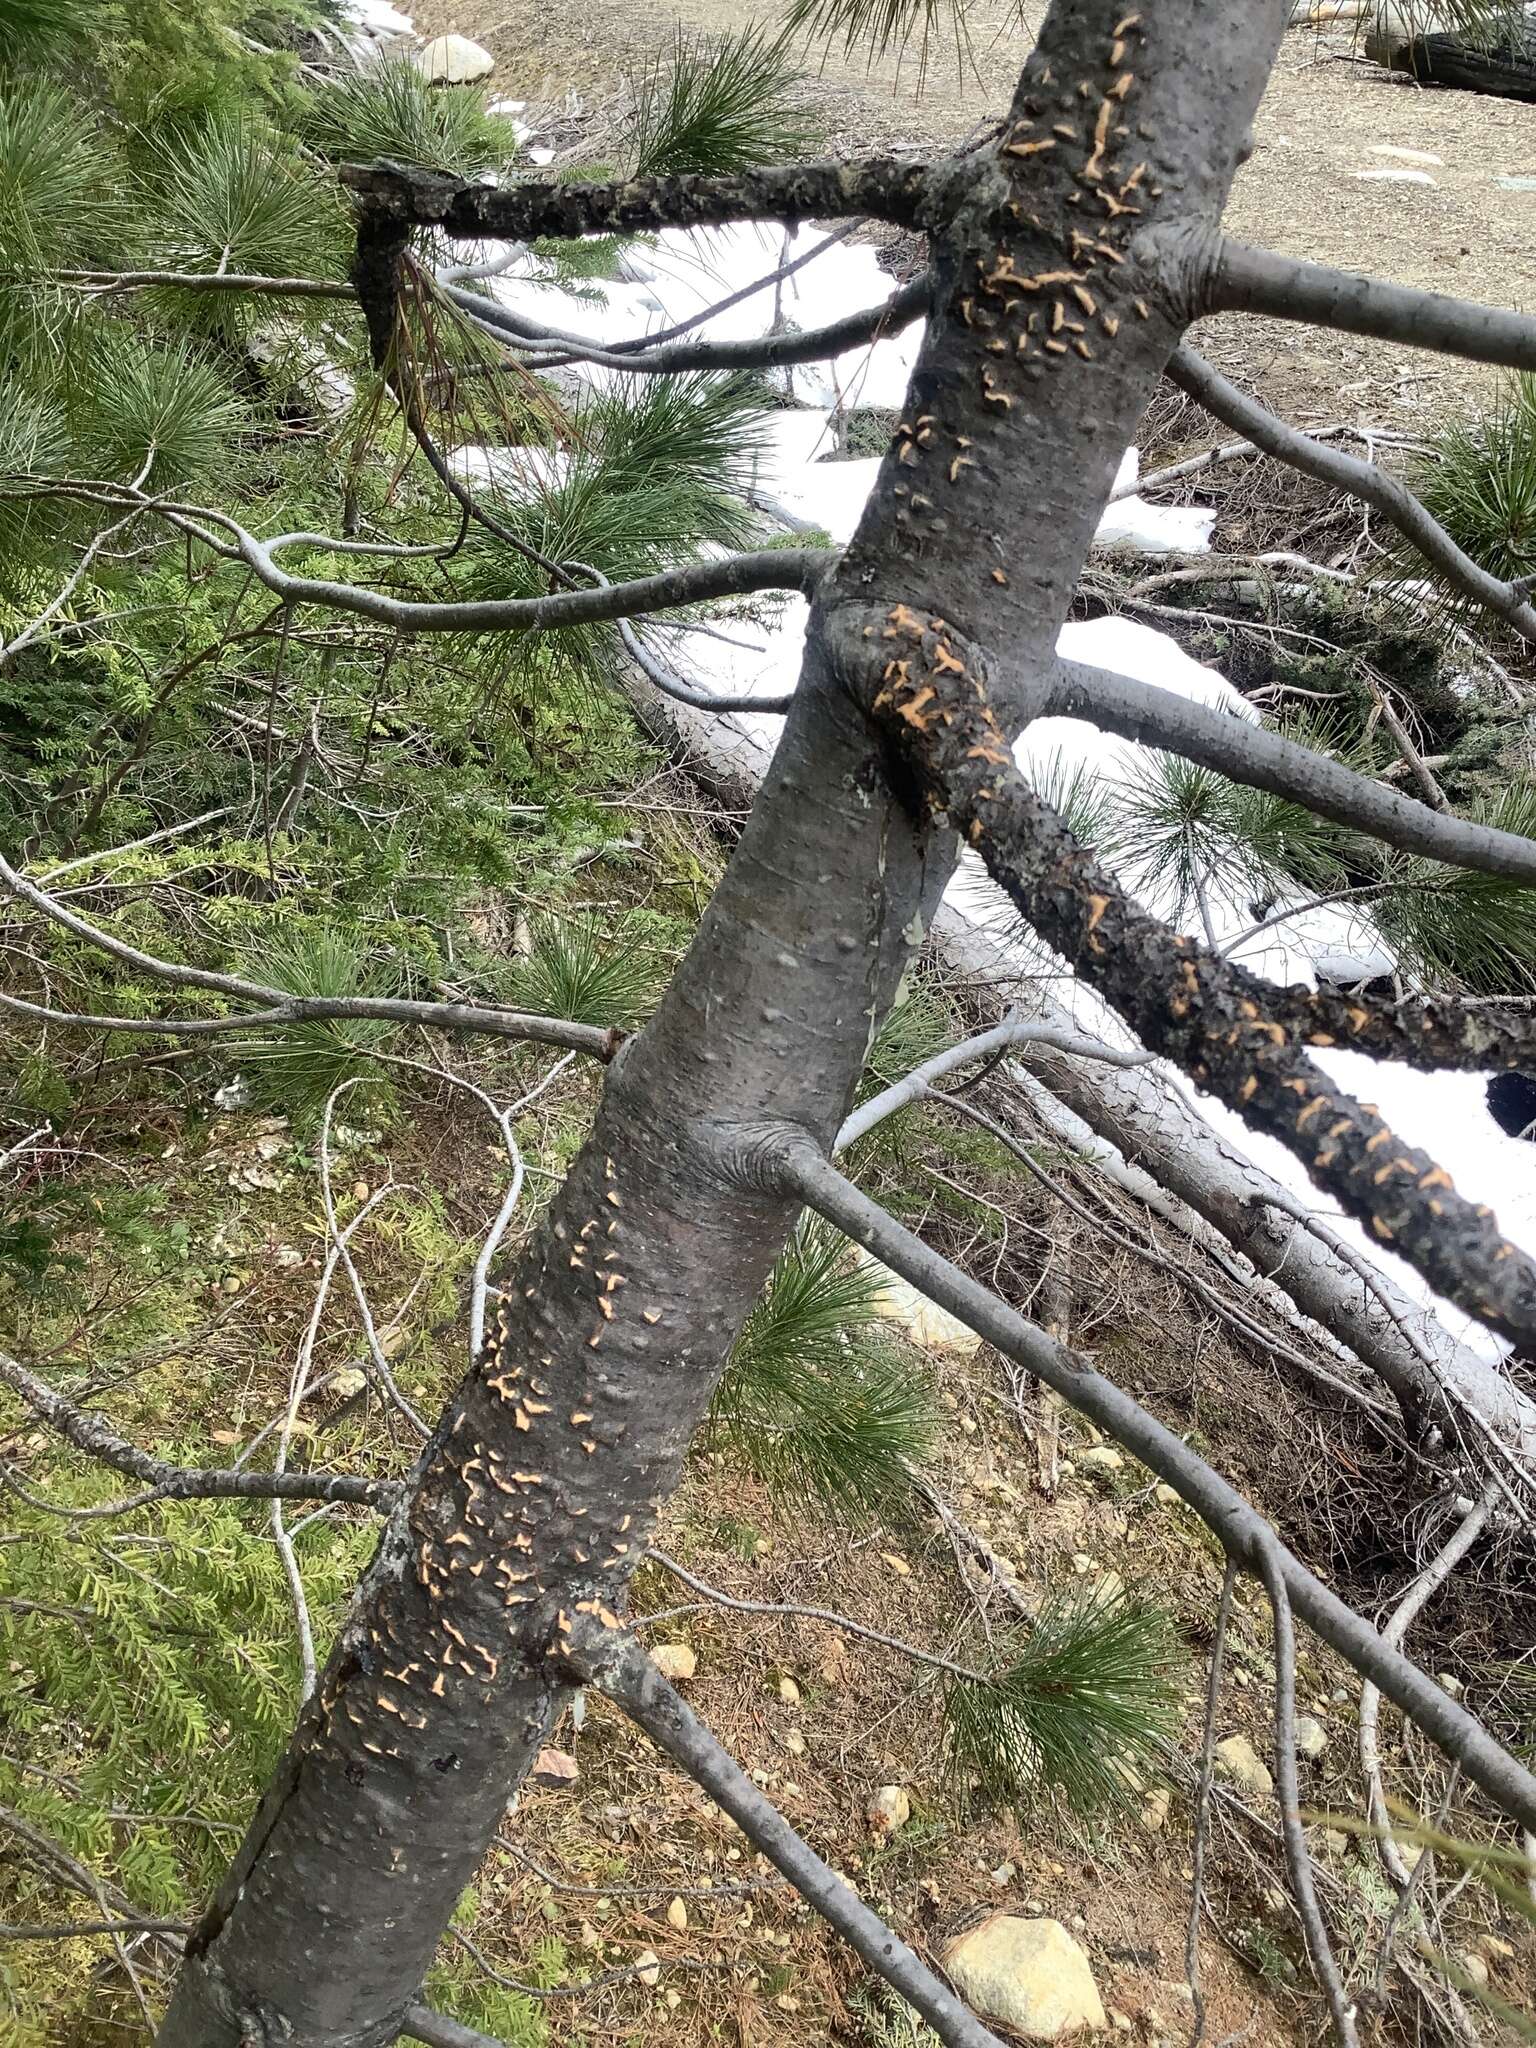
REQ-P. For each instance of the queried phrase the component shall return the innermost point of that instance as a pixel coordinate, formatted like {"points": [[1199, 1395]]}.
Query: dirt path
{"points": [[1324, 120]]}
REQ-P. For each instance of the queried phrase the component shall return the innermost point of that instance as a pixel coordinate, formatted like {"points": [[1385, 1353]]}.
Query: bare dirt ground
{"points": [[1324, 118]]}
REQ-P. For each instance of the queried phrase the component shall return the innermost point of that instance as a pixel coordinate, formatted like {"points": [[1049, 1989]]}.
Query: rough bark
{"points": [[896, 189], [1238, 1036], [538, 1489]]}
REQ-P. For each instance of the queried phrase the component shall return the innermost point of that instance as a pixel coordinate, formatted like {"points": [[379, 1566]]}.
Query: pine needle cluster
{"points": [[812, 1401], [1076, 1714]]}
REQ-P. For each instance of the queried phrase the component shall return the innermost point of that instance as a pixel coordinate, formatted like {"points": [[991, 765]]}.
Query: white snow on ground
{"points": [[679, 275]]}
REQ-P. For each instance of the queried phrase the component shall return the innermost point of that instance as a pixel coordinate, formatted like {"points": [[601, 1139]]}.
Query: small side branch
{"points": [[94, 1435], [613, 1662], [1248, 280], [1363, 480], [896, 189], [278, 1007], [765, 352], [1261, 759]]}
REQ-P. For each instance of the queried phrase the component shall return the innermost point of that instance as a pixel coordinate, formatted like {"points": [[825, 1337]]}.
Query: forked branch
{"points": [[1363, 480], [94, 1435], [276, 1006]]}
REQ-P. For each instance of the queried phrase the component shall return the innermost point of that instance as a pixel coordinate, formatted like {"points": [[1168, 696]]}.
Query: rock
{"points": [[350, 1380], [794, 1742], [675, 1661], [1311, 1737], [889, 1808], [1335, 1841], [1474, 1968], [453, 60], [361, 1191], [929, 1326], [677, 1916], [1165, 1495], [1154, 1811], [554, 1767], [1030, 1974], [1237, 1759], [1408, 156], [1448, 1682], [1108, 1587], [1385, 177], [648, 1967], [1101, 1458], [789, 1692], [896, 1564]]}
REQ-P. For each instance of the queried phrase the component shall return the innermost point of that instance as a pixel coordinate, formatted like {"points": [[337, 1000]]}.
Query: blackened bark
{"points": [[896, 189], [540, 1486], [1237, 1035]]}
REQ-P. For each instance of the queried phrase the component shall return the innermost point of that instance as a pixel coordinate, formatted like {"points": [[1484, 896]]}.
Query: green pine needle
{"points": [[1456, 927], [716, 104], [884, 28], [578, 971], [232, 193], [1478, 478], [160, 413], [295, 1068], [809, 1402], [1077, 1714], [390, 110], [56, 181]]}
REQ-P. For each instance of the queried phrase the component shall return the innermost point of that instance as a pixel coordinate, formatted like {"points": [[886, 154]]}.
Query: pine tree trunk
{"points": [[538, 1492]]}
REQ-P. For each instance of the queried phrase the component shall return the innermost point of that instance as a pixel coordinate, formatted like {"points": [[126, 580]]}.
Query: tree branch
{"points": [[882, 188], [797, 569], [790, 1162], [1364, 480], [1247, 280], [914, 1087], [610, 1659], [1261, 759], [1237, 1035], [759, 352], [94, 1435], [278, 1006], [207, 281]]}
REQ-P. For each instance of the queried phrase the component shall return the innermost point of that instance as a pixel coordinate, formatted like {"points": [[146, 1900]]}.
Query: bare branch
{"points": [[1261, 759], [278, 1006], [108, 281], [880, 188], [1204, 1782], [826, 1614], [760, 352], [1012, 1031], [788, 1161], [439, 2031], [1247, 280], [740, 575], [1364, 480], [612, 1661], [72, 1930], [1297, 1857], [94, 1435], [1401, 1619]]}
